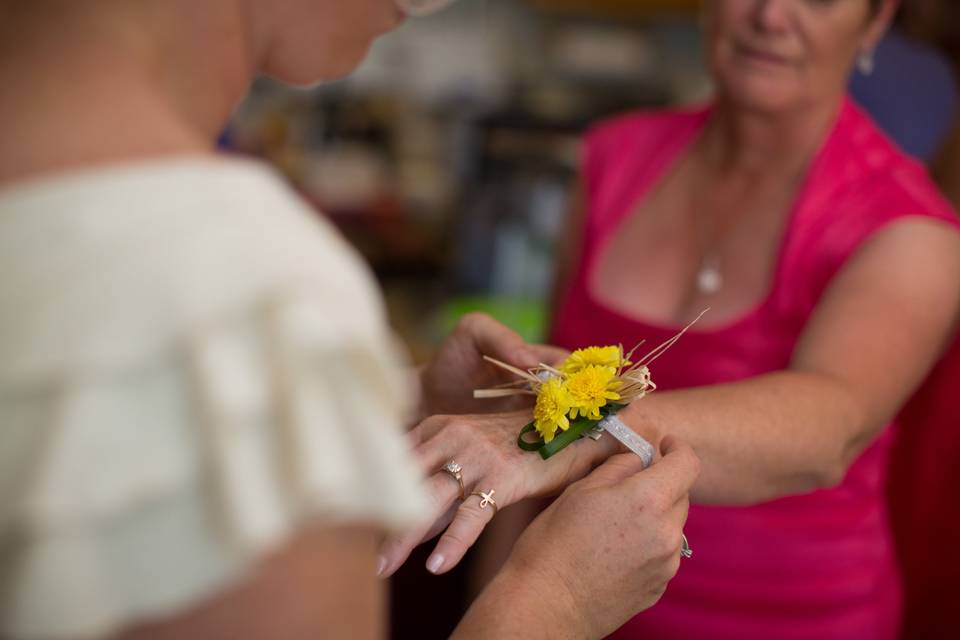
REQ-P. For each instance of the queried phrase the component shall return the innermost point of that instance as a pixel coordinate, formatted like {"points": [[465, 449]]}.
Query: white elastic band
{"points": [[615, 427]]}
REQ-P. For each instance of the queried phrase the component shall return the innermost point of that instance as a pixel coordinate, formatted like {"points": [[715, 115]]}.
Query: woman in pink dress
{"points": [[830, 266]]}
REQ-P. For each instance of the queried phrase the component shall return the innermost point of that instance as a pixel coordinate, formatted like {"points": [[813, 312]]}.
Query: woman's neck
{"points": [[117, 81], [738, 141]]}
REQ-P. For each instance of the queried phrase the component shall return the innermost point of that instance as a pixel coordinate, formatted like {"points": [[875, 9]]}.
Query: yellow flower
{"points": [[550, 412], [590, 388], [594, 356]]}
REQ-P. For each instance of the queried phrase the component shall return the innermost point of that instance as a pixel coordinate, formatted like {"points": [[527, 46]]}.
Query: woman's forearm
{"points": [[770, 436], [518, 604], [773, 435]]}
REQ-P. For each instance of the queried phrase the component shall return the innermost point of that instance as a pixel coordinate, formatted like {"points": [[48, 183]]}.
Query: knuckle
{"points": [[470, 515], [658, 591], [430, 425], [454, 539], [673, 566], [692, 461], [399, 548], [666, 541], [458, 428], [391, 547]]}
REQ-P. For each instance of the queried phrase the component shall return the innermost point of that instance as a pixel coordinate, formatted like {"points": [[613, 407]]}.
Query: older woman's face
{"points": [[307, 41], [772, 55]]}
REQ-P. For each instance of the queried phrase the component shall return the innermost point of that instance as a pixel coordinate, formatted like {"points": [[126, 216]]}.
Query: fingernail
{"points": [[434, 563], [381, 565]]}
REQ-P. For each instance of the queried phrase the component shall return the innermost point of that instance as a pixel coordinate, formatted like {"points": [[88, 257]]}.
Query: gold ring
{"points": [[456, 471], [486, 498]]}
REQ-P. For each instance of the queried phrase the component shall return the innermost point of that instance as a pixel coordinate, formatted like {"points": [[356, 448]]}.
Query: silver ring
{"points": [[454, 469], [685, 550]]}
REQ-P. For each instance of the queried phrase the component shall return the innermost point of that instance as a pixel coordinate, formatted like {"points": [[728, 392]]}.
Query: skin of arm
{"points": [[321, 584], [519, 604]]}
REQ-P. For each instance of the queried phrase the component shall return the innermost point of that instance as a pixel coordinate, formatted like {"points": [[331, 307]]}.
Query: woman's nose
{"points": [[772, 16]]}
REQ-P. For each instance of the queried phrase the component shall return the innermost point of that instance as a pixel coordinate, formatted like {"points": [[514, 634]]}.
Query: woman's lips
{"points": [[760, 56]]}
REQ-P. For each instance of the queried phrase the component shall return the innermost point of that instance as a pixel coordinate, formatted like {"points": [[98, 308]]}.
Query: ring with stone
{"points": [[456, 472], [685, 550]]}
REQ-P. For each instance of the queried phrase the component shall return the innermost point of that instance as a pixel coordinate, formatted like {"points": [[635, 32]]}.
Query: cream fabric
{"points": [[191, 366]]}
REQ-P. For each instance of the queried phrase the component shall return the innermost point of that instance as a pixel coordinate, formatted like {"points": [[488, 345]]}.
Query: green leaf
{"points": [[527, 445], [577, 428]]}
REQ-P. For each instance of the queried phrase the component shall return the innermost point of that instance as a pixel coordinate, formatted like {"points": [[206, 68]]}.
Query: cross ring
{"points": [[486, 499]]}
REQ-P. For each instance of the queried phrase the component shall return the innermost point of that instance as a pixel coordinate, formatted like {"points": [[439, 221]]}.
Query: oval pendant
{"points": [[709, 279]]}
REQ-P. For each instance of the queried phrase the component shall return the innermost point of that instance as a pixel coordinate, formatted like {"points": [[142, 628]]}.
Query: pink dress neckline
{"points": [[657, 172]]}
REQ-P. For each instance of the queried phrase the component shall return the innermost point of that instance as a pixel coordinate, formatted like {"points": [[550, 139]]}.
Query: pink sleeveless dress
{"points": [[820, 565]]}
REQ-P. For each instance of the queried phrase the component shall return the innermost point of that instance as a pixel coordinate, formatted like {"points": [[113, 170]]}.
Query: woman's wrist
{"points": [[589, 453], [570, 465], [592, 453], [639, 421]]}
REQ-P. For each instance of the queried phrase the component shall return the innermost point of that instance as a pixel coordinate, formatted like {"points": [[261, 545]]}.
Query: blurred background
{"points": [[448, 158]]}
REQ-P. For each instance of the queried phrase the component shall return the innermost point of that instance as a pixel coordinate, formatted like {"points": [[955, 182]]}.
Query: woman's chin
{"points": [[762, 96], [332, 68]]}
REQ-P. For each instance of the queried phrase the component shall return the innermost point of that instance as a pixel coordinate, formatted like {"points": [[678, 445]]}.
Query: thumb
{"points": [[549, 354], [615, 469], [496, 340], [676, 471]]}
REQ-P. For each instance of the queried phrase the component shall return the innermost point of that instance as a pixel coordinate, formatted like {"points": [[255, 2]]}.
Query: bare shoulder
{"points": [[891, 307], [922, 251], [904, 277]]}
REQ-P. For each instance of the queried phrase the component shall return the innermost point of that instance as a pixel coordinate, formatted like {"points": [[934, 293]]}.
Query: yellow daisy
{"points": [[550, 412], [590, 388], [594, 356]]}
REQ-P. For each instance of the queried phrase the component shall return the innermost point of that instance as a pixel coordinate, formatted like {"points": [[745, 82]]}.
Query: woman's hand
{"points": [[486, 448], [602, 552], [448, 380]]}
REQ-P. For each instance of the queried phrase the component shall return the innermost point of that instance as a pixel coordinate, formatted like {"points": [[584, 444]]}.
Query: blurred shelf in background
{"points": [[620, 8], [447, 158]]}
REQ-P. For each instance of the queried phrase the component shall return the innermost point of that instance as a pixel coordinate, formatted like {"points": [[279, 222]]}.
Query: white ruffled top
{"points": [[192, 365]]}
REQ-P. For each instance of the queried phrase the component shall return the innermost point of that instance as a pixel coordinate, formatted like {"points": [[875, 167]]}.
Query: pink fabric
{"points": [[820, 565], [925, 479]]}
